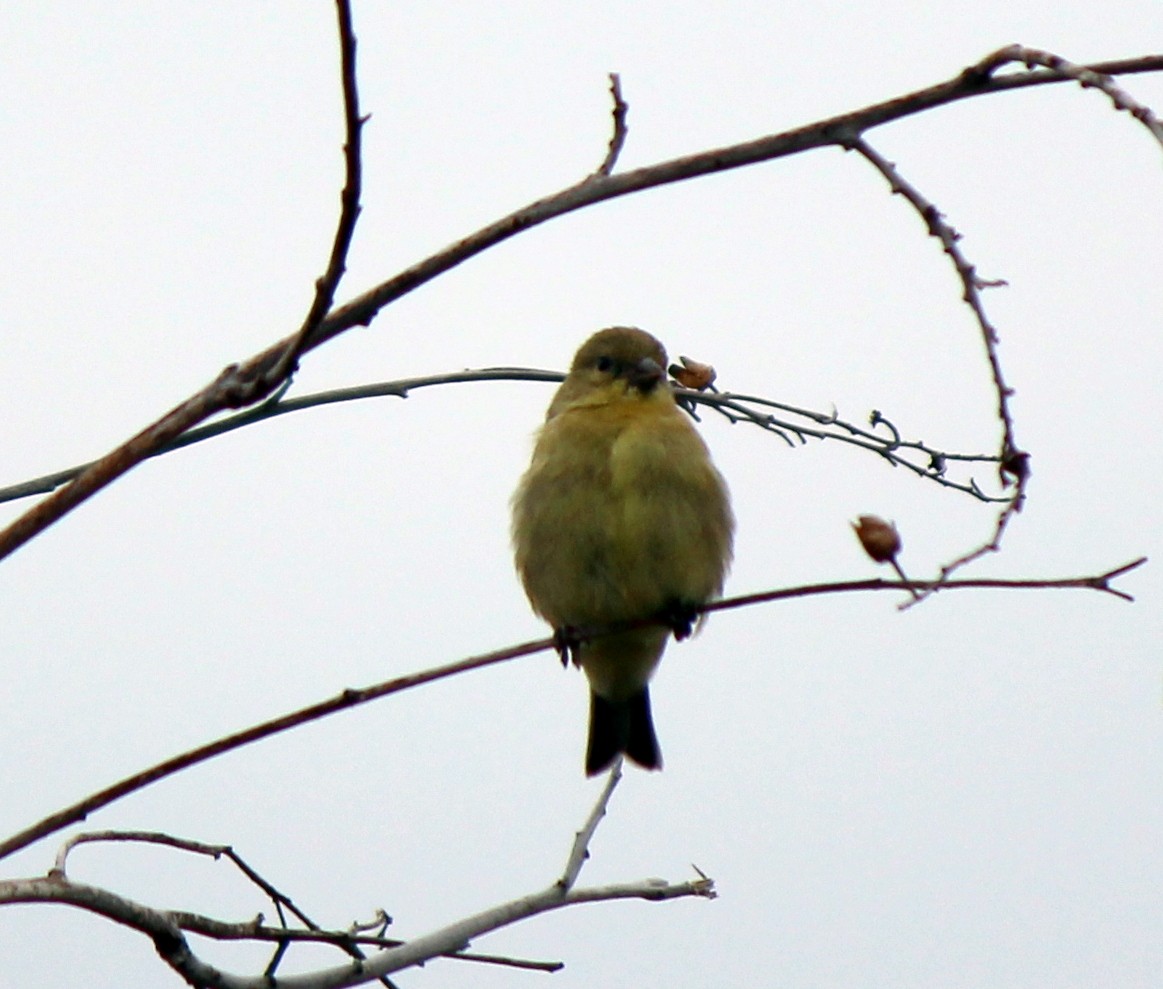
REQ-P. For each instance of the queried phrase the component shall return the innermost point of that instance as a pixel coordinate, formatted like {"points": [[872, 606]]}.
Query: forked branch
{"points": [[167, 929], [240, 385], [352, 697]]}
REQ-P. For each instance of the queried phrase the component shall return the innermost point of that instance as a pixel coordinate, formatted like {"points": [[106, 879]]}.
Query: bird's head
{"points": [[616, 363]]}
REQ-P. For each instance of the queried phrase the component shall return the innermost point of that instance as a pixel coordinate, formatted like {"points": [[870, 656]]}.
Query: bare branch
{"points": [[148, 837], [646, 889], [352, 698], [580, 849], [236, 386], [163, 929], [158, 926], [893, 449], [242, 384], [594, 189], [255, 930], [252, 931], [348, 698], [279, 899], [1093, 76], [99, 474], [166, 928], [618, 138], [1098, 582], [328, 282], [735, 407], [1013, 461]]}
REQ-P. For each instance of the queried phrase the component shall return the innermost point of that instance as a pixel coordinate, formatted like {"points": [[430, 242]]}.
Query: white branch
{"points": [[164, 927]]}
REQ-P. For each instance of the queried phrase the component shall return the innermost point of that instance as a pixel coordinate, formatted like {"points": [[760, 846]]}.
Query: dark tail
{"points": [[621, 726]]}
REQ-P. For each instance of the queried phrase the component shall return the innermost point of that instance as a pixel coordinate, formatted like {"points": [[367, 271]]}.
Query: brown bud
{"points": [[1014, 466], [879, 538], [691, 374]]}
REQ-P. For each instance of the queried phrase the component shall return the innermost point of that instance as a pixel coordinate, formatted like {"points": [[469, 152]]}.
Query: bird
{"points": [[620, 517]]}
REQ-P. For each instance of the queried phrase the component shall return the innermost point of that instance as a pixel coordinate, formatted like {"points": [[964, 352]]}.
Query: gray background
{"points": [[967, 794]]}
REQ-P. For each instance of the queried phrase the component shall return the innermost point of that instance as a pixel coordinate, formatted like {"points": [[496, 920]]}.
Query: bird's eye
{"points": [[605, 363]]}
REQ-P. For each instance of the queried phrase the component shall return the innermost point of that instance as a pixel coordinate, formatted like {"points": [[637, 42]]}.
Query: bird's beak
{"points": [[645, 375]]}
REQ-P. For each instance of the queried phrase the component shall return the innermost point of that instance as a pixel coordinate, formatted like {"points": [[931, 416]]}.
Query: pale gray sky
{"points": [[965, 795]]}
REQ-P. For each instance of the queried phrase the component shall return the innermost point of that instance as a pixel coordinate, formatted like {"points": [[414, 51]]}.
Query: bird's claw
{"points": [[680, 618], [567, 641]]}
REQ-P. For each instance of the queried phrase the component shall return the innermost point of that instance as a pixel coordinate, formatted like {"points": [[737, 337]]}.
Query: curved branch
{"points": [[235, 387], [969, 84], [352, 698], [735, 407], [240, 385], [1087, 76], [348, 698], [254, 930], [165, 929], [1013, 461], [349, 208], [618, 138]]}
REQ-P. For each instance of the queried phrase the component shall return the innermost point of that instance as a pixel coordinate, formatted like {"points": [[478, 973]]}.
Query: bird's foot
{"points": [[567, 641], [680, 618]]}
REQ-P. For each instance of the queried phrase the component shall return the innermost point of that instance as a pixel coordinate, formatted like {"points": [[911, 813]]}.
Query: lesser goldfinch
{"points": [[620, 516]]}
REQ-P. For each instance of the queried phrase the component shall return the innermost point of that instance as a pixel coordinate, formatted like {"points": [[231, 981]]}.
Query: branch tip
{"points": [[619, 113], [967, 84]]}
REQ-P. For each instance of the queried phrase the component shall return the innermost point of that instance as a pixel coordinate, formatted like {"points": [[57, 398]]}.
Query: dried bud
{"points": [[692, 374], [879, 538], [1015, 466]]}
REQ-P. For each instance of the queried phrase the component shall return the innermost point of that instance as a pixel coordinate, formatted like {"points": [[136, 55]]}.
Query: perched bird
{"points": [[620, 516]]}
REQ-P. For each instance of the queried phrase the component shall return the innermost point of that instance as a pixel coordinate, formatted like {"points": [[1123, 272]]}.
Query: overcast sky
{"points": [[967, 794]]}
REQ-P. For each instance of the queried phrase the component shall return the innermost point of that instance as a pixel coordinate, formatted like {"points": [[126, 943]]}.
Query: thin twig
{"points": [[348, 698], [1013, 461], [735, 407], [328, 282], [255, 930], [270, 409], [916, 595], [164, 929], [1099, 582], [580, 849], [621, 129], [60, 870], [894, 450], [236, 386], [351, 698], [1092, 76], [279, 899], [252, 931]]}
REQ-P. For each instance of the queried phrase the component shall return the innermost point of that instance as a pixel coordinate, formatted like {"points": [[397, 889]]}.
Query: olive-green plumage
{"points": [[620, 516]]}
